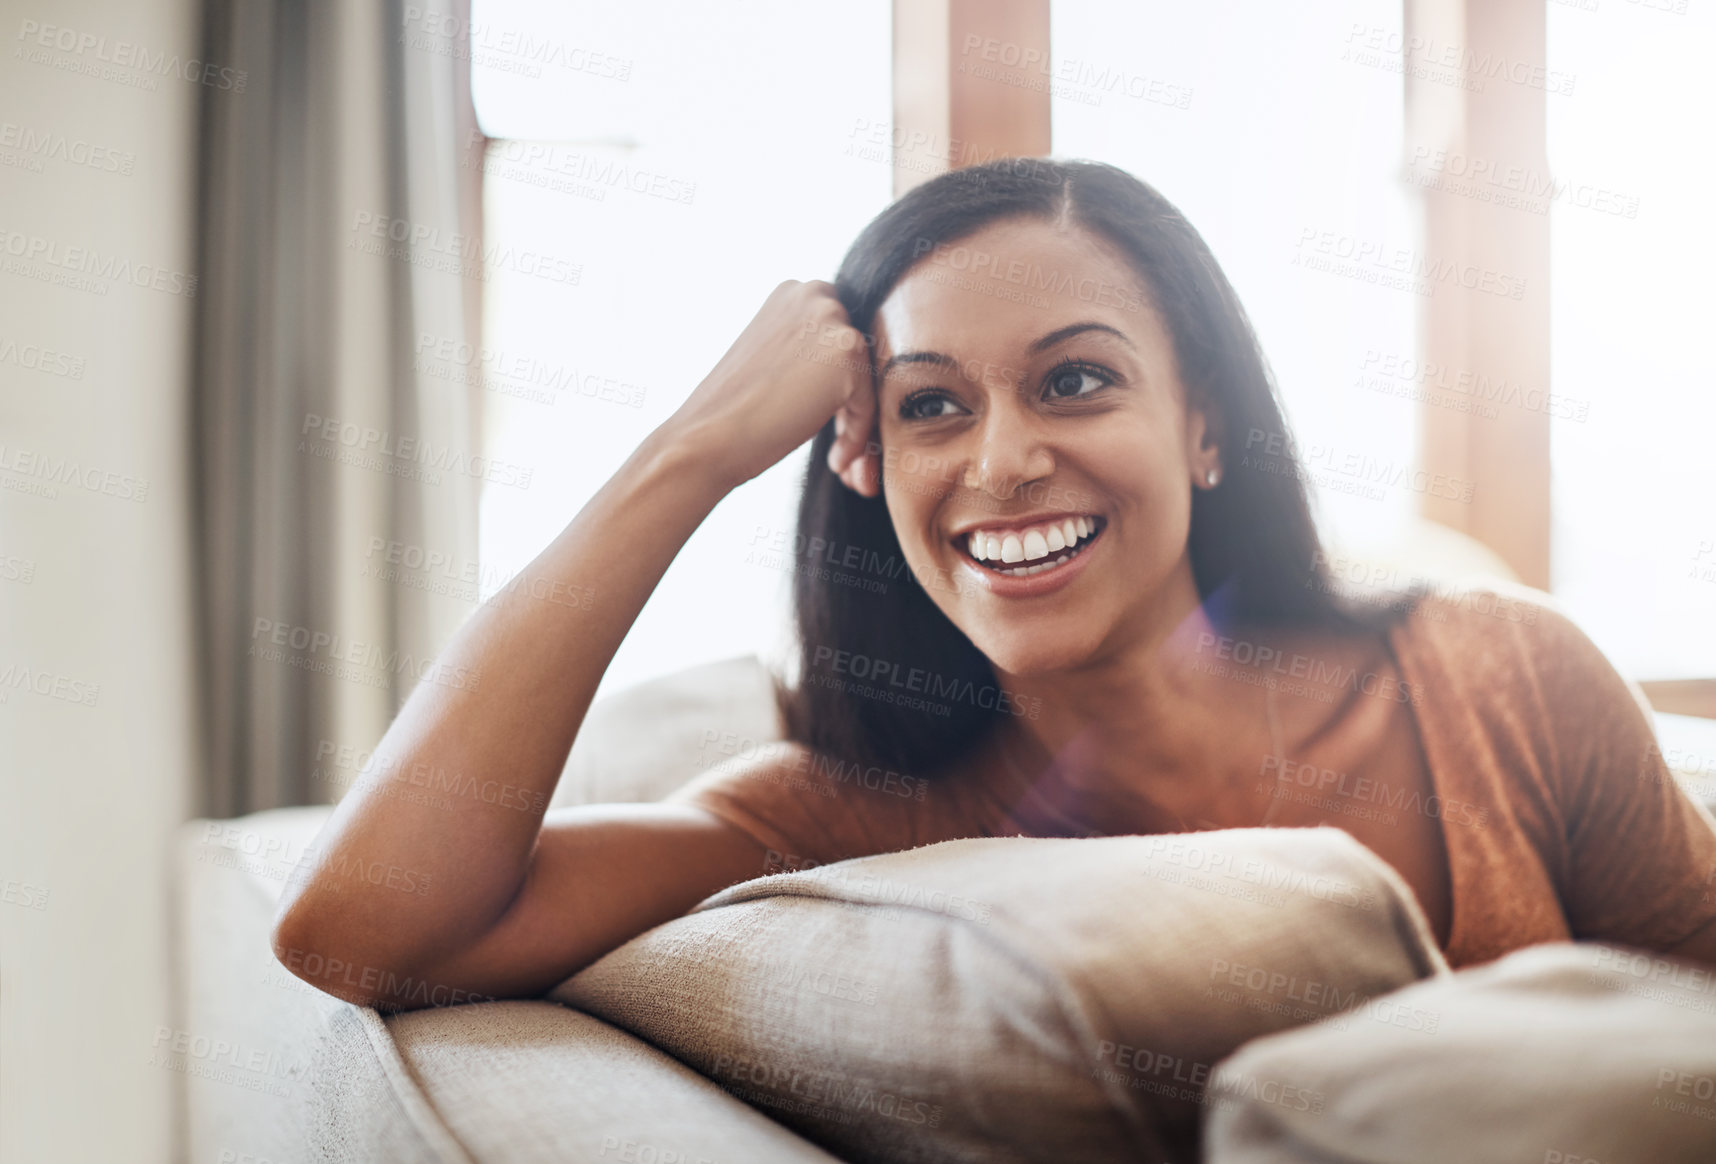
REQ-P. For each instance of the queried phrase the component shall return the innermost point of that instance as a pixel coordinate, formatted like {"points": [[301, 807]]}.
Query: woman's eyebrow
{"points": [[936, 358], [1048, 341], [1072, 329]]}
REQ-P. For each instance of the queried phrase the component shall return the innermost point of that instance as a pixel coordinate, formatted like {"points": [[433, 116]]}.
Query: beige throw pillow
{"points": [[1018, 999], [1562, 1053]]}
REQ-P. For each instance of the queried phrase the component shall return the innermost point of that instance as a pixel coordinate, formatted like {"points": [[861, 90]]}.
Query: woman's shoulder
{"points": [[1504, 628], [1513, 657], [810, 805]]}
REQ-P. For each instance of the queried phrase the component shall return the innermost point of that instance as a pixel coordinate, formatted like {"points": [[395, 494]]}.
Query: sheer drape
{"points": [[324, 458]]}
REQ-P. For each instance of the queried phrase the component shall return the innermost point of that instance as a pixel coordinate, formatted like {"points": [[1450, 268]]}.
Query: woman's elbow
{"points": [[311, 947]]}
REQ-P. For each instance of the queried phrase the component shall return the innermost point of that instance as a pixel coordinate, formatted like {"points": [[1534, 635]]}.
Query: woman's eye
{"points": [[1074, 381], [925, 406]]}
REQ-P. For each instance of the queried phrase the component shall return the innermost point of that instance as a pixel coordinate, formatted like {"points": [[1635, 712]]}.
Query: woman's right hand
{"points": [[798, 362]]}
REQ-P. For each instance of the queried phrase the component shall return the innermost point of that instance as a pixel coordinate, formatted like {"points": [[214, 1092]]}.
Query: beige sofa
{"points": [[274, 1071]]}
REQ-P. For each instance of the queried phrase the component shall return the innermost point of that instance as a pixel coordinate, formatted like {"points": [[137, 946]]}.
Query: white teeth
{"points": [[1036, 542], [1027, 571]]}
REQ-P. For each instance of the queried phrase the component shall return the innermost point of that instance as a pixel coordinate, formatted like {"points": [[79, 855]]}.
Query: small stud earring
{"points": [[1211, 477]]}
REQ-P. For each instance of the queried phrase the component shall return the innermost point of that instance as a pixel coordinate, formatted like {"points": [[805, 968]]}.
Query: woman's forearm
{"points": [[530, 660]]}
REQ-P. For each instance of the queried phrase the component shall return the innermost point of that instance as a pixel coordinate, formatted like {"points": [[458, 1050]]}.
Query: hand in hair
{"points": [[798, 362]]}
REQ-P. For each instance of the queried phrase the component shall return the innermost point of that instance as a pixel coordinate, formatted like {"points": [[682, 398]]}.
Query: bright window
{"points": [[1251, 118], [1633, 245], [687, 175]]}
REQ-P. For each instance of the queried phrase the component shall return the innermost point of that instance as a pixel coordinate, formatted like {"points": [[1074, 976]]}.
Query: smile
{"points": [[1039, 548]]}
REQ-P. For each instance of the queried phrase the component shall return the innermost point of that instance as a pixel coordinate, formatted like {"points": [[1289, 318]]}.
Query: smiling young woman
{"points": [[1032, 388]]}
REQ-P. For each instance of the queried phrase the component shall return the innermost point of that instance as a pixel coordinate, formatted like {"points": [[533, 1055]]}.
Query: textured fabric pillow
{"points": [[1563, 1053], [1016, 999]]}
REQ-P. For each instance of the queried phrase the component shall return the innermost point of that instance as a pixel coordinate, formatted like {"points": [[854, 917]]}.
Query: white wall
{"points": [[95, 766]]}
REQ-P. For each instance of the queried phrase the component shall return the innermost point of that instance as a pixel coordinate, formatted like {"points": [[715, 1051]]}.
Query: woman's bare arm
{"points": [[485, 899]]}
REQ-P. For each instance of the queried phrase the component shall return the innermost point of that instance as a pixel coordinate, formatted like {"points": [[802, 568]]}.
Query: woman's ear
{"points": [[863, 473], [1205, 441]]}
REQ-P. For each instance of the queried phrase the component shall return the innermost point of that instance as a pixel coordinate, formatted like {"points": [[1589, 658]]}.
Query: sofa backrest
{"points": [[642, 743]]}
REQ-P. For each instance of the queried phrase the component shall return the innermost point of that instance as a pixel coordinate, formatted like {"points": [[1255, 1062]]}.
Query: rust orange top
{"points": [[1559, 817]]}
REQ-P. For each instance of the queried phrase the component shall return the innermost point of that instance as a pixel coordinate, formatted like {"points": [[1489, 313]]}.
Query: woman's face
{"points": [[1027, 385]]}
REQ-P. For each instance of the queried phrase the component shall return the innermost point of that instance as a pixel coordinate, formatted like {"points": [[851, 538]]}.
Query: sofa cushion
{"points": [[642, 742], [1014, 999], [1563, 1053]]}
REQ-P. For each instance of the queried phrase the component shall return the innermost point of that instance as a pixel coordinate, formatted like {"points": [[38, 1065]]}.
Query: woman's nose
{"points": [[1009, 449]]}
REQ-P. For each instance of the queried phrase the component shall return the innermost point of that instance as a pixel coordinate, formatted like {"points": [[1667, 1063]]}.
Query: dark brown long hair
{"points": [[884, 676]]}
